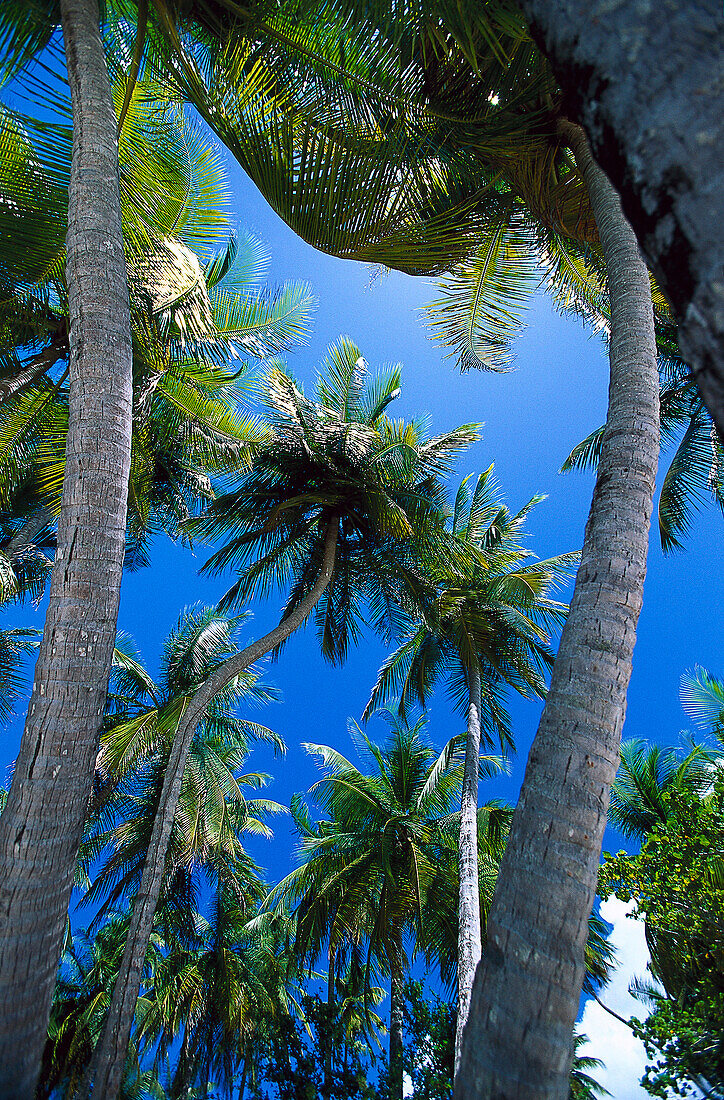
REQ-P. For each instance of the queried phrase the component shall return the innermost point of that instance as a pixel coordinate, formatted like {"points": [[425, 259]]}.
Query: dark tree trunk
{"points": [[106, 1069], [41, 826], [646, 81], [397, 1008], [518, 1045], [469, 934]]}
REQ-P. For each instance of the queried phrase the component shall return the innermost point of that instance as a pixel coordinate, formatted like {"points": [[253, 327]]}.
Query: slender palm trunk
{"points": [[397, 1007], [106, 1069], [32, 372], [41, 826], [518, 1041], [469, 934], [329, 1053]]}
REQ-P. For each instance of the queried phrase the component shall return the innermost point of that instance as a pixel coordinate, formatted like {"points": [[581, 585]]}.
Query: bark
{"points": [[518, 1045], [469, 934], [32, 371], [646, 79], [41, 826], [397, 1008], [329, 1053], [106, 1069]]}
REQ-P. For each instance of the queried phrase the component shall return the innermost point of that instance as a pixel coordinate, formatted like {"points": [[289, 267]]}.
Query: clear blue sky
{"points": [[533, 416]]}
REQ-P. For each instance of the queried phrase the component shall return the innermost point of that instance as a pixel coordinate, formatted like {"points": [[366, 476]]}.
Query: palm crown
{"points": [[141, 720], [197, 304], [496, 612], [335, 460]]}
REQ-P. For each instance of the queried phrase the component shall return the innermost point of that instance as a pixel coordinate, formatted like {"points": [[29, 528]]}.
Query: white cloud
{"points": [[611, 1041]]}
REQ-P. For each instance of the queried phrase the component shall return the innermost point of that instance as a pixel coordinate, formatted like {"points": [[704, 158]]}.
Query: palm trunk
{"points": [[469, 935], [106, 1069], [329, 1052], [525, 997], [33, 371], [41, 826], [642, 84], [397, 1006]]}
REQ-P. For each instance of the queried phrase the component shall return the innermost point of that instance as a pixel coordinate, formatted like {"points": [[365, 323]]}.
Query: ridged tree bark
{"points": [[109, 1058], [645, 80], [41, 825], [397, 1012], [517, 1045], [469, 933]]}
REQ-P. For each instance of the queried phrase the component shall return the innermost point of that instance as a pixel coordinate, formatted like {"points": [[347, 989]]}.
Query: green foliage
{"points": [[695, 476], [495, 611], [196, 307], [335, 458], [429, 1057], [677, 882]]}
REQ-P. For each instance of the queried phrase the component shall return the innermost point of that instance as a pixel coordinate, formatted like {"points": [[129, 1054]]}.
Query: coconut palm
{"points": [[483, 630], [647, 773], [486, 55], [212, 812], [196, 302], [371, 862], [341, 503]]}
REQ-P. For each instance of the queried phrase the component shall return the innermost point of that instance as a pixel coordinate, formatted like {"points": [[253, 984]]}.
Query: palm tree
{"points": [[647, 773], [582, 1085], [373, 859], [185, 421], [195, 303], [212, 812], [63, 721], [342, 502], [465, 158], [484, 630]]}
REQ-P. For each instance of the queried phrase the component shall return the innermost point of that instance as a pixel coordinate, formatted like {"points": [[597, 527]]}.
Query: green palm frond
{"points": [[702, 697], [481, 300]]}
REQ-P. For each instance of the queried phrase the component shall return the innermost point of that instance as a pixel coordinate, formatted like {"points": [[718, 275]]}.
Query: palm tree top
{"points": [[335, 458]]}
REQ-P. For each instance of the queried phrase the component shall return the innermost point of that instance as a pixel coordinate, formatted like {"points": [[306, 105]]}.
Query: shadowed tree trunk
{"points": [[329, 1052], [469, 934], [645, 79], [41, 826], [518, 1045], [109, 1058], [397, 1011]]}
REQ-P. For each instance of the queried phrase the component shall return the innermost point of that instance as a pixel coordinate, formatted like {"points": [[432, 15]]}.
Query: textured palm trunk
{"points": [[329, 1053], [34, 371], [517, 1044], [397, 1007], [106, 1069], [469, 934], [41, 825], [645, 81]]}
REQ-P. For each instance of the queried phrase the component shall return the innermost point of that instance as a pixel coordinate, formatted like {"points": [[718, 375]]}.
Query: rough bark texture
{"points": [[517, 1045], [41, 826], [397, 1011], [646, 80], [469, 934], [106, 1070]]}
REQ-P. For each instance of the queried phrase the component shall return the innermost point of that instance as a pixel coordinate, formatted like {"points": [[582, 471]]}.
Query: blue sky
{"points": [[532, 418]]}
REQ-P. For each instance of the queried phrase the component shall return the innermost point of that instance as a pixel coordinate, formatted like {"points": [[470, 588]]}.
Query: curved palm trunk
{"points": [[106, 1069], [41, 826], [469, 934], [643, 86], [518, 1041], [397, 1008]]}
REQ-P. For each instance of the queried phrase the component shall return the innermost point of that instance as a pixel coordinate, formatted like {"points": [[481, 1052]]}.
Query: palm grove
{"points": [[431, 139]]}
